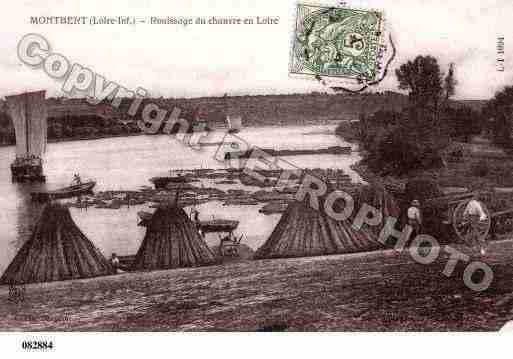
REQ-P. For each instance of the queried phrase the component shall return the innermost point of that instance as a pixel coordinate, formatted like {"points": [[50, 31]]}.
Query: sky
{"points": [[210, 60]]}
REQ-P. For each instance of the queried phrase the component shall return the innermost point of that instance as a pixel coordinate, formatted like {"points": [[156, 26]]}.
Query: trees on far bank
{"points": [[70, 127], [397, 143], [499, 111]]}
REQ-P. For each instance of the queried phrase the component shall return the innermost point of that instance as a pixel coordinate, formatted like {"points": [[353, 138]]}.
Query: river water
{"points": [[126, 163]]}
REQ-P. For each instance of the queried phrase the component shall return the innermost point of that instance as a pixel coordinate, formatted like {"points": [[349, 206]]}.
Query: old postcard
{"points": [[243, 166]]}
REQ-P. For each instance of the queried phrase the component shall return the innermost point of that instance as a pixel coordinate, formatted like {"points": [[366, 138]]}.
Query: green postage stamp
{"points": [[336, 42]]}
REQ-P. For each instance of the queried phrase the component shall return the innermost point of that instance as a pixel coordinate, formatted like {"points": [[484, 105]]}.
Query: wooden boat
{"points": [[126, 263], [228, 244], [26, 169], [212, 226], [66, 192], [218, 225], [163, 181], [28, 112], [273, 208], [333, 150]]}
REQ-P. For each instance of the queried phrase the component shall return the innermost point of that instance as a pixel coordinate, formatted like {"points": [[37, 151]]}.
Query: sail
{"points": [[28, 112], [234, 123], [16, 107], [237, 123], [36, 110]]}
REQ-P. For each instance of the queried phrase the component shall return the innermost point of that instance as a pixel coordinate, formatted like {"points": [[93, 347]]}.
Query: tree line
{"points": [[84, 126], [70, 127], [414, 138]]}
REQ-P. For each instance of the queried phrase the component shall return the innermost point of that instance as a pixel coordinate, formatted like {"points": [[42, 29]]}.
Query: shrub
{"points": [[421, 189], [394, 153], [85, 131]]}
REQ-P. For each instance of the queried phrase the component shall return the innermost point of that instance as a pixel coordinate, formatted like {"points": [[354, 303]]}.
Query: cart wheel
{"points": [[467, 231]]}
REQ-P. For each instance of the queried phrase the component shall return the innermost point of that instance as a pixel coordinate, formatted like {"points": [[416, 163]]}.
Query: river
{"points": [[126, 163]]}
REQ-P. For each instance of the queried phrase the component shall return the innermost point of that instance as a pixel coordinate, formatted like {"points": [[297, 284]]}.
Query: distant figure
{"points": [[76, 179], [227, 239], [198, 222], [415, 217], [114, 261], [81, 202], [196, 219], [476, 217]]}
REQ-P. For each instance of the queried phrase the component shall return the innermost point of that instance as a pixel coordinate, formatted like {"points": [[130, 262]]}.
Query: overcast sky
{"points": [[201, 60]]}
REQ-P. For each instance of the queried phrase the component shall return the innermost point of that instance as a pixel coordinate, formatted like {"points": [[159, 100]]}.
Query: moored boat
{"points": [[66, 192], [27, 169], [163, 181], [218, 225], [332, 150], [28, 113], [234, 124]]}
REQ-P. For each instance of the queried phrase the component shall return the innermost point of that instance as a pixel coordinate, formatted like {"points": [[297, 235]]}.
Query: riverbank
{"points": [[82, 138], [100, 137], [481, 165], [376, 291]]}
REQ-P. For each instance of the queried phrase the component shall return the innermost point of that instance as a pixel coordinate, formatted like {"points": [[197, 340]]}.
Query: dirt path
{"points": [[371, 291]]}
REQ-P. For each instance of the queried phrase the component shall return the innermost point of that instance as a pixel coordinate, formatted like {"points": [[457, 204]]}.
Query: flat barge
{"points": [[333, 150]]}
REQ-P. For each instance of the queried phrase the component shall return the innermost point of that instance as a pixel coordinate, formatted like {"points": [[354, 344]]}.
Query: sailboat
{"points": [[201, 123], [28, 113], [234, 124]]}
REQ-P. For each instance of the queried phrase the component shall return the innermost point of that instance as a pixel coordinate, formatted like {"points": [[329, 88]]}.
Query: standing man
{"points": [[414, 217], [76, 179], [114, 261], [195, 218], [477, 219]]}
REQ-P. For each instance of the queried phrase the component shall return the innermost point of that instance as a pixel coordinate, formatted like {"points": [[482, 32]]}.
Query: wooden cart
{"points": [[228, 243]]}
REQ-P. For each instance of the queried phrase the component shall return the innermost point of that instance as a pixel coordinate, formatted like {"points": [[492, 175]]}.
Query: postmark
{"points": [[336, 42]]}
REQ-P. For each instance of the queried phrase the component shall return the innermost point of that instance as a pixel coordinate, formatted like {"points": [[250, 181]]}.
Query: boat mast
{"points": [[26, 125]]}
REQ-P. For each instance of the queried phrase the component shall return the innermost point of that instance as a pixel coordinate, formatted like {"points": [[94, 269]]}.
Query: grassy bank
{"points": [[382, 290]]}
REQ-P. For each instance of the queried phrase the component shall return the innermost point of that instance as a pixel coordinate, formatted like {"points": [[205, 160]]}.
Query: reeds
{"points": [[56, 250], [303, 232], [172, 241]]}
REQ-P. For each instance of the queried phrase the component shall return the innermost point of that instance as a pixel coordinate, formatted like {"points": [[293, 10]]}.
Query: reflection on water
{"points": [[127, 164]]}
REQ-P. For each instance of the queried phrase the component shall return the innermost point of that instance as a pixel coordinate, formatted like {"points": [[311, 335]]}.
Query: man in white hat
{"points": [[475, 215], [414, 217]]}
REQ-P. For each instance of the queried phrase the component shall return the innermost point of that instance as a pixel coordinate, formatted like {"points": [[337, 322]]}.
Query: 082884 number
{"points": [[37, 345]]}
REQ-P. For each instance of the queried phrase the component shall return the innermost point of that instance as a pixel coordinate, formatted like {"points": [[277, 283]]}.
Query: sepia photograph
{"points": [[327, 170]]}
